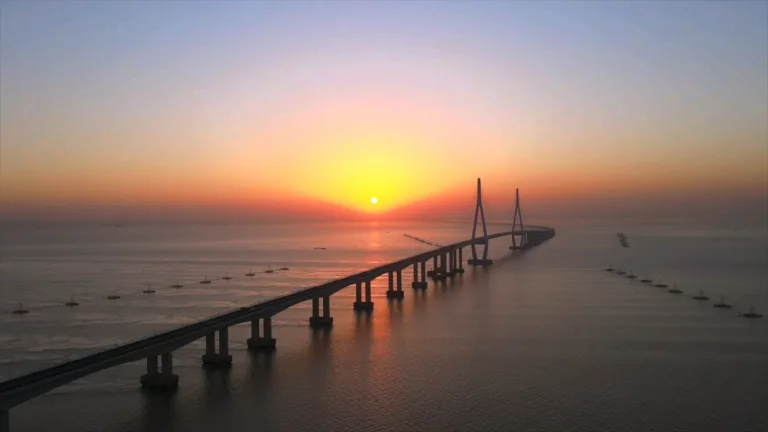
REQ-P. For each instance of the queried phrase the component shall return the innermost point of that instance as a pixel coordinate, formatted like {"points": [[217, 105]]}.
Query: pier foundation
{"points": [[261, 343], [165, 379], [221, 359]]}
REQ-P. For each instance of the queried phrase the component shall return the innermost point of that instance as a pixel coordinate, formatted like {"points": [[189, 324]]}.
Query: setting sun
{"points": [[374, 200]]}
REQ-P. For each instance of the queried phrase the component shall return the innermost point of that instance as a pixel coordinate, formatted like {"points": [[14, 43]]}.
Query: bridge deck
{"points": [[20, 389]]}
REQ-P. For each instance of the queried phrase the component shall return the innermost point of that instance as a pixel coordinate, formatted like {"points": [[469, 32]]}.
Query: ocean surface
{"points": [[541, 341]]}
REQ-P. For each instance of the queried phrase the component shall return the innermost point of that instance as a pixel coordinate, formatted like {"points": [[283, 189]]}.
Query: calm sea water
{"points": [[541, 341]]}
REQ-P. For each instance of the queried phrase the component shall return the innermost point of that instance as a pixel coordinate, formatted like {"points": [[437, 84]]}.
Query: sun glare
{"points": [[374, 200]]}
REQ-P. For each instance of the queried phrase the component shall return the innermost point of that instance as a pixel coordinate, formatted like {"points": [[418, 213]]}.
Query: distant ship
{"points": [[72, 302], [751, 313], [269, 270], [722, 304], [20, 310], [250, 274], [205, 280], [676, 290], [700, 296], [177, 285], [113, 297], [149, 290], [227, 277]]}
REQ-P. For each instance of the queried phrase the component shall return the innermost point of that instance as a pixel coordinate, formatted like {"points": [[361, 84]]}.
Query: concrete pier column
{"points": [[224, 341], [415, 272], [367, 304], [424, 273], [420, 284], [151, 365], [315, 307], [166, 363], [261, 343], [5, 421], [358, 292], [398, 293], [316, 321], [221, 359], [459, 262], [391, 284], [165, 379], [327, 306], [451, 263]]}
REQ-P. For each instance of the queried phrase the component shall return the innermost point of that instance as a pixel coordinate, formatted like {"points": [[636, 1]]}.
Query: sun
{"points": [[374, 200]]}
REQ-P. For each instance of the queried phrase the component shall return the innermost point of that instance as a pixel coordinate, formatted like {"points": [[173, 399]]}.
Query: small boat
{"points": [[205, 281], [72, 302], [227, 277], [700, 296], [284, 268], [149, 290], [751, 313], [645, 280], [610, 269], [630, 275], [113, 297], [621, 272], [269, 270], [177, 285], [661, 285], [20, 310], [250, 274], [722, 304], [675, 290]]}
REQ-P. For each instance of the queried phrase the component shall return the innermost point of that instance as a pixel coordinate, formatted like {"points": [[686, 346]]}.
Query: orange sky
{"points": [[271, 111]]}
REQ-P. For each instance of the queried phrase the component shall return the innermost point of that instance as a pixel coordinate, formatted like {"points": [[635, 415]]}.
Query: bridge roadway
{"points": [[18, 390]]}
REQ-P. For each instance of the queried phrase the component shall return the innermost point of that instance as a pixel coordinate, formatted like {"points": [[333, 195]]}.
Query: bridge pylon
{"points": [[519, 237], [475, 261]]}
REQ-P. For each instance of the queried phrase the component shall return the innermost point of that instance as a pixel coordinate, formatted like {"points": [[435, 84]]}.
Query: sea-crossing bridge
{"points": [[446, 262]]}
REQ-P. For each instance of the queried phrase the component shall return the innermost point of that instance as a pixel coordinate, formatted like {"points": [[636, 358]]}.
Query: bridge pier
{"points": [[398, 293], [366, 305], [5, 421], [459, 262], [452, 264], [163, 380], [419, 284], [261, 343], [326, 320], [222, 358], [435, 268]]}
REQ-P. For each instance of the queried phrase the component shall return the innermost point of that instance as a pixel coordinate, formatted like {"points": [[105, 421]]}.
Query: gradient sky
{"points": [[259, 105]]}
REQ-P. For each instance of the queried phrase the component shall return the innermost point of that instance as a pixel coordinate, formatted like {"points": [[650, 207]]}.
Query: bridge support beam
{"points": [[211, 358], [366, 305], [460, 262], [398, 293], [261, 343], [435, 268], [419, 284], [452, 264], [326, 320], [163, 380]]}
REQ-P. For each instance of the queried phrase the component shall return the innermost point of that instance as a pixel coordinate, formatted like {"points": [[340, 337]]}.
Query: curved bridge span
{"points": [[446, 262]]}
